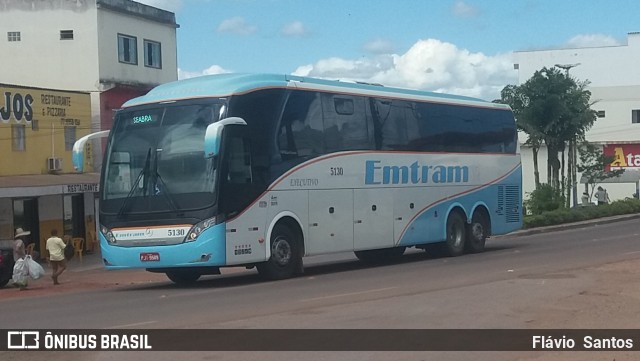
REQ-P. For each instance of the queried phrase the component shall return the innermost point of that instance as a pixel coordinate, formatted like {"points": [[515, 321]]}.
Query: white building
{"points": [[614, 78], [114, 50]]}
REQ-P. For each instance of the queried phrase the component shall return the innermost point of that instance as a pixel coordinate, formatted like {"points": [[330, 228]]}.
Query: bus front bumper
{"points": [[208, 250]]}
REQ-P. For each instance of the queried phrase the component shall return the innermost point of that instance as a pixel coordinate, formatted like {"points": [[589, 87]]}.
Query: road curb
{"points": [[568, 226]]}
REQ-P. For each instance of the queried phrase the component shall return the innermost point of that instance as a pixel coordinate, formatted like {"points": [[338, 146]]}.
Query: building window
{"points": [[66, 34], [600, 113], [13, 36], [69, 137], [127, 49], [635, 116], [18, 138], [152, 54]]}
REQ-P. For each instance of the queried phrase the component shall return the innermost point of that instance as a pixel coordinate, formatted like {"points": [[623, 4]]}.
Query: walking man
{"points": [[602, 196], [56, 246]]}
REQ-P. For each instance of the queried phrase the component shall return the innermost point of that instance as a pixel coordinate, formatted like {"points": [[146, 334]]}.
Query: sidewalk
{"points": [[89, 273], [81, 275]]}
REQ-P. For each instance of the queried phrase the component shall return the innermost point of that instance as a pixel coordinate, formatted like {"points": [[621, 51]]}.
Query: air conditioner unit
{"points": [[54, 164]]}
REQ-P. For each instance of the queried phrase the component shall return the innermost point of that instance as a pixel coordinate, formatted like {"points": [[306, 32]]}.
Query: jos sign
{"points": [[625, 156]]}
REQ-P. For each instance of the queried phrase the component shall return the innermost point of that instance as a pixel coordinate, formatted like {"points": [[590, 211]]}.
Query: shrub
{"points": [[544, 199], [563, 215]]}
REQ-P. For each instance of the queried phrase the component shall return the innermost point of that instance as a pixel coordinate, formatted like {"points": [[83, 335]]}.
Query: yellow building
{"points": [[39, 189]]}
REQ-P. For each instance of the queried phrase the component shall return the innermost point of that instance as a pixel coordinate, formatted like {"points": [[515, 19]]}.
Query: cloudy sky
{"points": [[455, 46]]}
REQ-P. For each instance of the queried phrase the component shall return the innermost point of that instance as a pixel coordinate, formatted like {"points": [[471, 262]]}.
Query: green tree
{"points": [[575, 123], [593, 165], [554, 109], [517, 98]]}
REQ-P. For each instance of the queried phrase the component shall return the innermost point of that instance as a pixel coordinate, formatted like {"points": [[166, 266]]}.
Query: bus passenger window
{"points": [[343, 106], [239, 162], [345, 123], [301, 127]]}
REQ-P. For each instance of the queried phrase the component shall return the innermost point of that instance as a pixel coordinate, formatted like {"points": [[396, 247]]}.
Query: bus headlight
{"points": [[200, 227], [108, 234]]}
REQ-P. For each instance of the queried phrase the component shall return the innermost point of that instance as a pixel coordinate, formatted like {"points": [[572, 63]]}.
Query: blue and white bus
{"points": [[263, 170]]}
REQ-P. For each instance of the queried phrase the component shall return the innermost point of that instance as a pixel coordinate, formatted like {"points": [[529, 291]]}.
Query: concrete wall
{"points": [[43, 118], [614, 82], [110, 24], [41, 58]]}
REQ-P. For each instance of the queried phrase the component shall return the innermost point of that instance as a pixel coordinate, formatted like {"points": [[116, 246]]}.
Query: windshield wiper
{"points": [[165, 190], [141, 175]]}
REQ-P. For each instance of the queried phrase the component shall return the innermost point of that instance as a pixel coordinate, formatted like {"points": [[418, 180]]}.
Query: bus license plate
{"points": [[149, 257]]}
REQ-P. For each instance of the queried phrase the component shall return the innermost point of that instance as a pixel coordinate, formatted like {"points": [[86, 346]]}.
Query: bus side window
{"points": [[238, 188], [238, 161], [395, 121], [345, 123], [300, 132]]}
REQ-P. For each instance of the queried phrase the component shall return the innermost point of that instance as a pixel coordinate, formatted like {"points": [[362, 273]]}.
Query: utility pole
{"points": [[573, 147]]}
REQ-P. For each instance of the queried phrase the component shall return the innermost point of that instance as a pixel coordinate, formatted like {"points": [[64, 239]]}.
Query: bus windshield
{"points": [[155, 159]]}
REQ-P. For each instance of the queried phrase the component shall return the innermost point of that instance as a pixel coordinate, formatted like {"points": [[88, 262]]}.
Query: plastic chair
{"points": [[78, 245]]}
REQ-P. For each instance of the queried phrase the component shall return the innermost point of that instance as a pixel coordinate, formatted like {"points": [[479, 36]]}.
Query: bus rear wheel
{"points": [[285, 257], [453, 245], [477, 233], [456, 235], [183, 277]]}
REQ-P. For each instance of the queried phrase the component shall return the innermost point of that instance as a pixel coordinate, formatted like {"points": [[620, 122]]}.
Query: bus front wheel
{"points": [[183, 277], [285, 255]]}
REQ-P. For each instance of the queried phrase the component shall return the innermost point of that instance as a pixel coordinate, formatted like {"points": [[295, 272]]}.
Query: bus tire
{"points": [[453, 246], [384, 255], [477, 233], [183, 276], [285, 259]]}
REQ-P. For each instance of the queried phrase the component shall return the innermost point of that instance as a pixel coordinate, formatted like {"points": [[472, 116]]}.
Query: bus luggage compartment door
{"points": [[373, 219], [330, 221]]}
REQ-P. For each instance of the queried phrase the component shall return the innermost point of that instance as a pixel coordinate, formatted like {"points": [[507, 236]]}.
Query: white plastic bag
{"points": [[35, 269], [20, 273]]}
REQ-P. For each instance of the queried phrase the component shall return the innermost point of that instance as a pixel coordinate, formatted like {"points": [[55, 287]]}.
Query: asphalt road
{"points": [[496, 289]]}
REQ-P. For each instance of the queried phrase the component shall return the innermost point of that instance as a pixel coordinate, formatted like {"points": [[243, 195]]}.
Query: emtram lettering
{"points": [[375, 173]]}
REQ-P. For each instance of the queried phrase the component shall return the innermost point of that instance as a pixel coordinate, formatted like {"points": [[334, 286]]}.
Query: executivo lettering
{"points": [[377, 173]]}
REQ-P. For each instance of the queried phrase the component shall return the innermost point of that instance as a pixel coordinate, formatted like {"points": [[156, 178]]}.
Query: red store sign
{"points": [[626, 156]]}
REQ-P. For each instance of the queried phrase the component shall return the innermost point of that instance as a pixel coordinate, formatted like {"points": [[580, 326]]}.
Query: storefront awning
{"points": [[629, 176], [48, 184]]}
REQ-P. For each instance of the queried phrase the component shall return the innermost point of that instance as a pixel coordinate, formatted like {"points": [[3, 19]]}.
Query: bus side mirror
{"points": [[77, 156], [213, 135]]}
